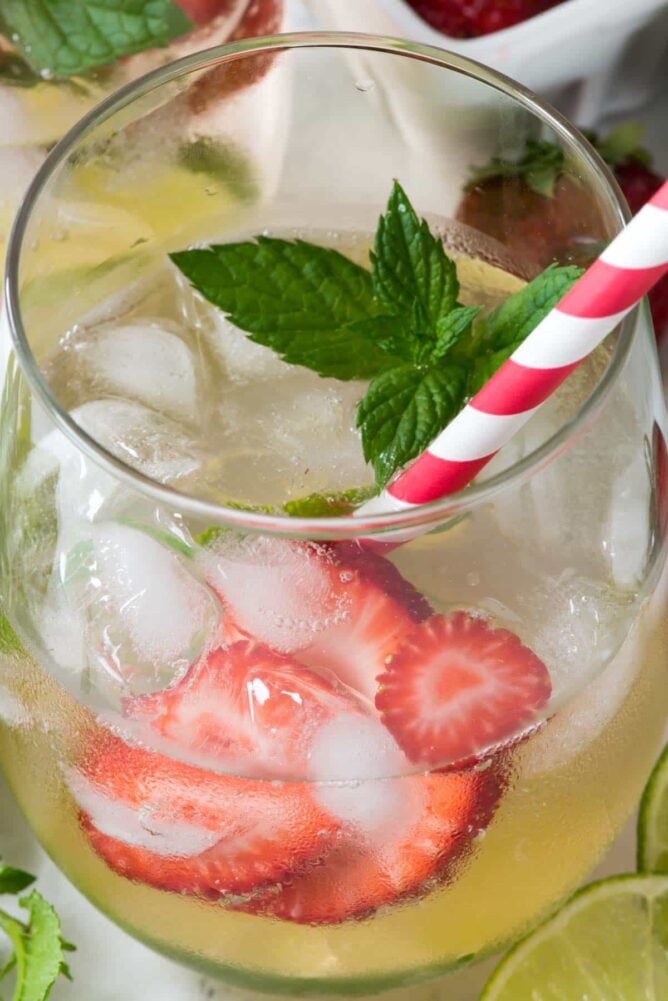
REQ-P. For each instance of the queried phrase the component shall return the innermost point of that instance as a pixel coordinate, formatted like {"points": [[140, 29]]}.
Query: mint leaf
{"points": [[69, 37], [221, 162], [409, 263], [452, 327], [391, 334], [623, 145], [14, 881], [9, 641], [328, 505], [540, 166], [515, 318], [43, 958], [38, 949], [505, 328], [403, 411], [297, 298]]}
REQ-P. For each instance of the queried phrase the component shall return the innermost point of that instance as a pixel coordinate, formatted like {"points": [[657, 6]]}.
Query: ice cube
{"points": [[279, 592], [85, 492], [575, 626], [629, 522], [355, 761], [62, 629], [145, 362], [147, 616], [155, 445], [141, 825], [295, 437], [12, 712], [574, 727], [242, 360]]}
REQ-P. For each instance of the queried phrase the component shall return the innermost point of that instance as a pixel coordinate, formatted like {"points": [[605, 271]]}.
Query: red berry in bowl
{"points": [[470, 18]]}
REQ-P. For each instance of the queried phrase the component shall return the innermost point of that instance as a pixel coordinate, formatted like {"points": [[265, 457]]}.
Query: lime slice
{"points": [[608, 943], [653, 820]]}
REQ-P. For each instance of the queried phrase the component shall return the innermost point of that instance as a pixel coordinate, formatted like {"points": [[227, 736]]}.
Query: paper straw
{"points": [[635, 260]]}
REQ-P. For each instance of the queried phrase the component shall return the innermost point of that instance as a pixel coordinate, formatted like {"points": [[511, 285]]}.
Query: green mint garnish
{"points": [[328, 505], [403, 411], [312, 305], [69, 37], [13, 881], [542, 162], [37, 948], [540, 166], [398, 325], [622, 145], [221, 162], [502, 331]]}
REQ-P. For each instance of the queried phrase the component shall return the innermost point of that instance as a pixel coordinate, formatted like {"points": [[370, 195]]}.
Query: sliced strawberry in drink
{"points": [[371, 628], [176, 827], [457, 686], [381, 571], [379, 609], [244, 707], [440, 816]]}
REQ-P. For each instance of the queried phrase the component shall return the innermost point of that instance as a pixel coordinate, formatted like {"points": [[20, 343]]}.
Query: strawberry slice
{"points": [[379, 609], [246, 707], [457, 686], [176, 827], [440, 814]]}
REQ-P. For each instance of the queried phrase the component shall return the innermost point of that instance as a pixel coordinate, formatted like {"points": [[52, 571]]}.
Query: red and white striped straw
{"points": [[635, 260]]}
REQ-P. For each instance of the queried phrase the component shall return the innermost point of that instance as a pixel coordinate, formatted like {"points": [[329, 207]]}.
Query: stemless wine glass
{"points": [[189, 673]]}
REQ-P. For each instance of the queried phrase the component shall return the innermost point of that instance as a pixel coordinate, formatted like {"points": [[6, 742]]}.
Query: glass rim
{"points": [[339, 527]]}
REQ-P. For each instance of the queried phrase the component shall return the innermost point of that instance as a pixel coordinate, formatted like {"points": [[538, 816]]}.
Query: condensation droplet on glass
{"points": [[364, 86], [46, 74], [473, 578]]}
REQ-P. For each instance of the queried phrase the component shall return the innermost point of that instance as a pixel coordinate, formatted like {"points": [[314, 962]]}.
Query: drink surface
{"points": [[130, 595]]}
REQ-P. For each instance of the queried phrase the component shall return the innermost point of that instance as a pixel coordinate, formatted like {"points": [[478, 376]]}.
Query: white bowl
{"points": [[591, 57]]}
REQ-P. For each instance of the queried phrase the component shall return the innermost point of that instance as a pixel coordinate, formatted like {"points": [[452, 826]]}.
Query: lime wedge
{"points": [[608, 943], [653, 820]]}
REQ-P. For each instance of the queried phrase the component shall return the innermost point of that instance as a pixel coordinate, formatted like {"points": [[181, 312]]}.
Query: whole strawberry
{"points": [[542, 213], [469, 18]]}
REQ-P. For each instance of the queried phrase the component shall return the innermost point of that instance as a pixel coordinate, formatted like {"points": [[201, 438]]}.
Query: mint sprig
{"points": [[399, 325], [69, 37], [37, 954], [539, 166]]}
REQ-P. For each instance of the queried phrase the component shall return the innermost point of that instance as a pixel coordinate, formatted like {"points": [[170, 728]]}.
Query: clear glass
{"points": [[130, 590], [37, 110]]}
